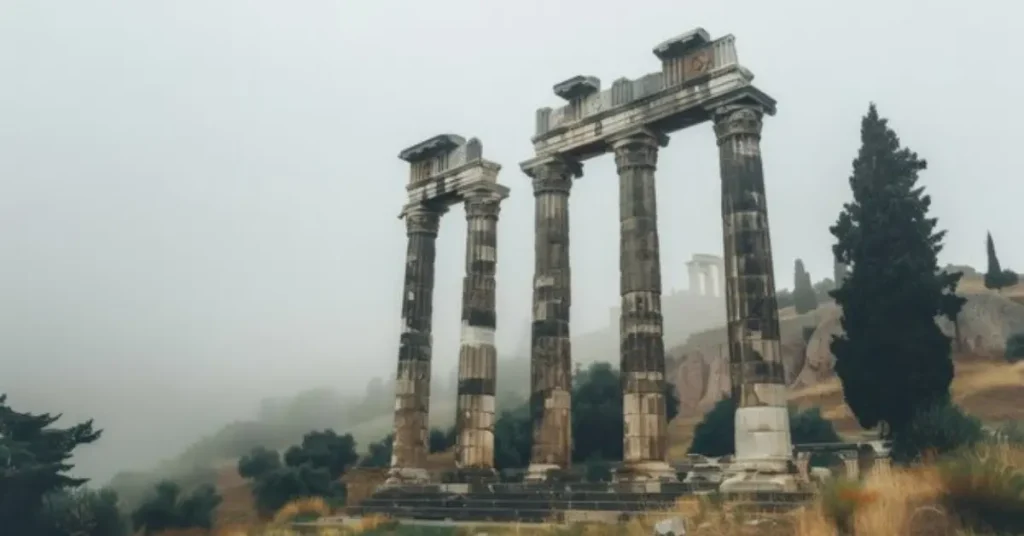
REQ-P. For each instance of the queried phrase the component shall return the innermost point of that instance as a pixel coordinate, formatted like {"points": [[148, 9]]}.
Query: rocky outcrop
{"points": [[700, 369]]}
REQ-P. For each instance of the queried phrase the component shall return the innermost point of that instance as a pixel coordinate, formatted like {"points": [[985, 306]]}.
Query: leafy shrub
{"points": [[83, 512], [441, 440], [1015, 347], [258, 462], [379, 454], [598, 470], [984, 490], [936, 430], [715, 434], [167, 508]]}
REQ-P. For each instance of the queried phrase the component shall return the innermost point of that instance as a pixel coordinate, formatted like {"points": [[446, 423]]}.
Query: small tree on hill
{"points": [[804, 298], [311, 469], [167, 508], [379, 452], [258, 462], [995, 277], [892, 358]]}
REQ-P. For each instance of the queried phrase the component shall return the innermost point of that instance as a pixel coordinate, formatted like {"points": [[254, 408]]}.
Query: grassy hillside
{"points": [[985, 386]]}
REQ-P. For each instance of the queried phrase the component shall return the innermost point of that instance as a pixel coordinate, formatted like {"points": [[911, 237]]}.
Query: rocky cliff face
{"points": [[700, 369]]}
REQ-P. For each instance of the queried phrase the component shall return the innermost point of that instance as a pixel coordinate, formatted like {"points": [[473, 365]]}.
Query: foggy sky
{"points": [[198, 199]]}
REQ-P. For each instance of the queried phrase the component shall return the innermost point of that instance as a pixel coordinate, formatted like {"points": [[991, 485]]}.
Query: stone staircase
{"points": [[549, 502]]}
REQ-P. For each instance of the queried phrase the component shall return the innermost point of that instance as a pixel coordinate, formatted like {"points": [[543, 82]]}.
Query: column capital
{"points": [[738, 119], [638, 148], [422, 219], [483, 206], [639, 136], [553, 174]]}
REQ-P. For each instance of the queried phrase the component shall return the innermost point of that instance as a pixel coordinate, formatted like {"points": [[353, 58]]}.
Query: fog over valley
{"points": [[199, 200]]}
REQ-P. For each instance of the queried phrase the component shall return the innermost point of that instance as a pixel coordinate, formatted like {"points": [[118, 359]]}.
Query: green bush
{"points": [[1015, 347], [936, 431], [984, 491]]}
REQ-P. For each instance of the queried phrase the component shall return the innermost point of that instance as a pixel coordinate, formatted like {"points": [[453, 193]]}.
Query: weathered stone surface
{"points": [[642, 362], [695, 74], [445, 170], [412, 380], [551, 352], [755, 353], [475, 418]]}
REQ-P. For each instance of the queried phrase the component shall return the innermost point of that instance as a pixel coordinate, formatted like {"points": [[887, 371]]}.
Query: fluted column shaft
{"points": [[474, 418], [551, 353], [412, 381], [758, 379], [642, 348]]}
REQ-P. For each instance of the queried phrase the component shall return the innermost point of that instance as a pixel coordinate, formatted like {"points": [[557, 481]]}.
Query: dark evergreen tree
{"points": [[167, 508], [995, 277], [258, 462], [804, 298], [892, 358], [34, 462]]}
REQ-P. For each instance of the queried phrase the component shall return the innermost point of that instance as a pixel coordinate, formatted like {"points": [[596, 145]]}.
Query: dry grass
{"points": [[889, 502]]}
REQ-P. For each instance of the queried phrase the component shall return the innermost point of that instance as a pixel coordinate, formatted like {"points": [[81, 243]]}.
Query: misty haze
{"points": [[199, 200]]}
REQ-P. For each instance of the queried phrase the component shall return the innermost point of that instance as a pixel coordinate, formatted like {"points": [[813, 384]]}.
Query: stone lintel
{"points": [[694, 71], [680, 45], [665, 111], [452, 185], [746, 95], [442, 143], [577, 87], [488, 190], [624, 136], [530, 167]]}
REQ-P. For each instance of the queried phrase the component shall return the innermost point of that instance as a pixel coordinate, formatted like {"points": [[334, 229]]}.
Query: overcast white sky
{"points": [[198, 199]]}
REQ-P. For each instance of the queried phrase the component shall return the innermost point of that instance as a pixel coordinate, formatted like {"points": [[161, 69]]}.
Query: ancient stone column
{"points": [[642, 349], [412, 381], [550, 352], [694, 278], [474, 418], [762, 421]]}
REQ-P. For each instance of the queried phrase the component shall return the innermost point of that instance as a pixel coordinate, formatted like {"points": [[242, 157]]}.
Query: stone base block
{"points": [[651, 471], [757, 482], [400, 476], [473, 475], [762, 433], [541, 472]]}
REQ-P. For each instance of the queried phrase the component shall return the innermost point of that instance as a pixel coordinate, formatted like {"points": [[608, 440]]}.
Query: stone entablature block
{"points": [[447, 169], [697, 74]]}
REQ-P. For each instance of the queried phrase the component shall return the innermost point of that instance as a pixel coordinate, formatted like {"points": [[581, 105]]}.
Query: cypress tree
{"points": [[804, 298], [892, 358], [995, 277]]}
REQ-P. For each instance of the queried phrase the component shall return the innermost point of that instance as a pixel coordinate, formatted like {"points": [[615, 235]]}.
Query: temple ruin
{"points": [[700, 80], [443, 171], [706, 275]]}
